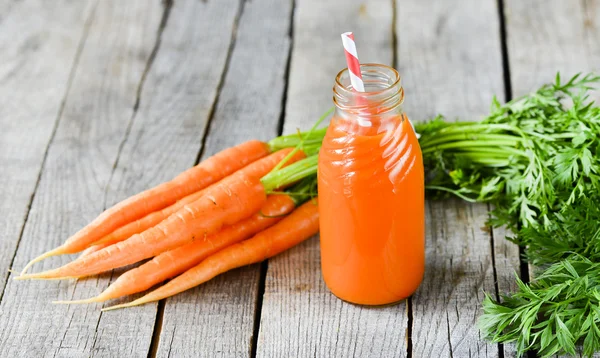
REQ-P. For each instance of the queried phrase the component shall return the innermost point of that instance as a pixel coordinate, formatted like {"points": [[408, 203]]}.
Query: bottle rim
{"points": [[388, 93]]}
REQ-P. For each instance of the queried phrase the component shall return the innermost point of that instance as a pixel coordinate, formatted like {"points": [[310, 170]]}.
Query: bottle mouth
{"points": [[383, 91]]}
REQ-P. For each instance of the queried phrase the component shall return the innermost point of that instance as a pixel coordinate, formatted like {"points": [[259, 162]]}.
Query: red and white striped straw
{"points": [[352, 61], [354, 71]]}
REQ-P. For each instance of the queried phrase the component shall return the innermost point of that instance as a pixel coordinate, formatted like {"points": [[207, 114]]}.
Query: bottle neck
{"points": [[383, 94]]}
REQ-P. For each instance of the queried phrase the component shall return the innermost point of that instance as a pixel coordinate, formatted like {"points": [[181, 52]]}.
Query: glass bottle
{"points": [[371, 193]]}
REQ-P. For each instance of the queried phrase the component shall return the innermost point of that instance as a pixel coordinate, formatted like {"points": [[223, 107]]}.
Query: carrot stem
{"points": [[290, 174], [292, 140]]}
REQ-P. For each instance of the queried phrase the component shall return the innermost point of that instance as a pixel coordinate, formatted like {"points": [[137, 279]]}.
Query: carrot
{"points": [[148, 221], [255, 170], [190, 181], [301, 224], [96, 247], [207, 215], [226, 203], [173, 262]]}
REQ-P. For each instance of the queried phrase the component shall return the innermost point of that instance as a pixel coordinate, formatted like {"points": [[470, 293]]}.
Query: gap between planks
{"points": [[160, 311], [507, 97], [211, 112], [264, 267], [524, 267], [167, 4], [495, 274]]}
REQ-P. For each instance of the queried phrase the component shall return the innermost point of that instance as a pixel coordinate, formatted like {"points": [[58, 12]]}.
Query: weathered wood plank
{"points": [[318, 53], [507, 266], [78, 167], [217, 319], [444, 73], [507, 262], [300, 318], [449, 57], [544, 37], [39, 45], [459, 269]]}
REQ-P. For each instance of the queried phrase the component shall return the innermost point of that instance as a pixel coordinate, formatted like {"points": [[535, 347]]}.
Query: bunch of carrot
{"points": [[238, 207]]}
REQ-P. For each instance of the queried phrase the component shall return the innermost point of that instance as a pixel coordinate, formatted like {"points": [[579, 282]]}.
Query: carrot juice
{"points": [[371, 193]]}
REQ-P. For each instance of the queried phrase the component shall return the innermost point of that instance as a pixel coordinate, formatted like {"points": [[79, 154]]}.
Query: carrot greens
{"points": [[531, 156], [537, 159]]}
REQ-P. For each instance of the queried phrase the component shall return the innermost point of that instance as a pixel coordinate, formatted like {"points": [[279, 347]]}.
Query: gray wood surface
{"points": [[545, 37], [217, 319], [299, 317], [449, 57], [445, 73], [34, 72], [73, 182], [102, 99], [506, 268], [458, 271]]}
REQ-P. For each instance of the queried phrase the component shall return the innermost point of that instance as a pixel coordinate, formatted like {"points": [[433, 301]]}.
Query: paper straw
{"points": [[352, 61], [354, 71]]}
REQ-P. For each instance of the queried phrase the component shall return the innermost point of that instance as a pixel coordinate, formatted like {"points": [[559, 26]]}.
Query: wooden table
{"points": [[100, 99]]}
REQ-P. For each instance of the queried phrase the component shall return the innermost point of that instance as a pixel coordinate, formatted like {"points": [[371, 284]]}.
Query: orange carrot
{"points": [[96, 247], [173, 262], [190, 181], [225, 204], [148, 221], [231, 200], [301, 224], [254, 170]]}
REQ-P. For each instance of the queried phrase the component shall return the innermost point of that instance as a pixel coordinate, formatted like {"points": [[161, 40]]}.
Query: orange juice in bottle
{"points": [[371, 193]]}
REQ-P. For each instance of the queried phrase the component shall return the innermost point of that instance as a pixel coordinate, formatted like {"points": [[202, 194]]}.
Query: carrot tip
{"points": [[45, 275], [58, 251], [27, 277], [89, 300], [116, 307]]}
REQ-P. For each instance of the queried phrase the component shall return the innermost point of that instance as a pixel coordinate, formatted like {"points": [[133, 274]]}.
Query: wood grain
{"points": [[217, 318], [507, 267], [545, 37], [449, 57], [458, 271], [77, 170], [39, 46], [299, 317]]}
